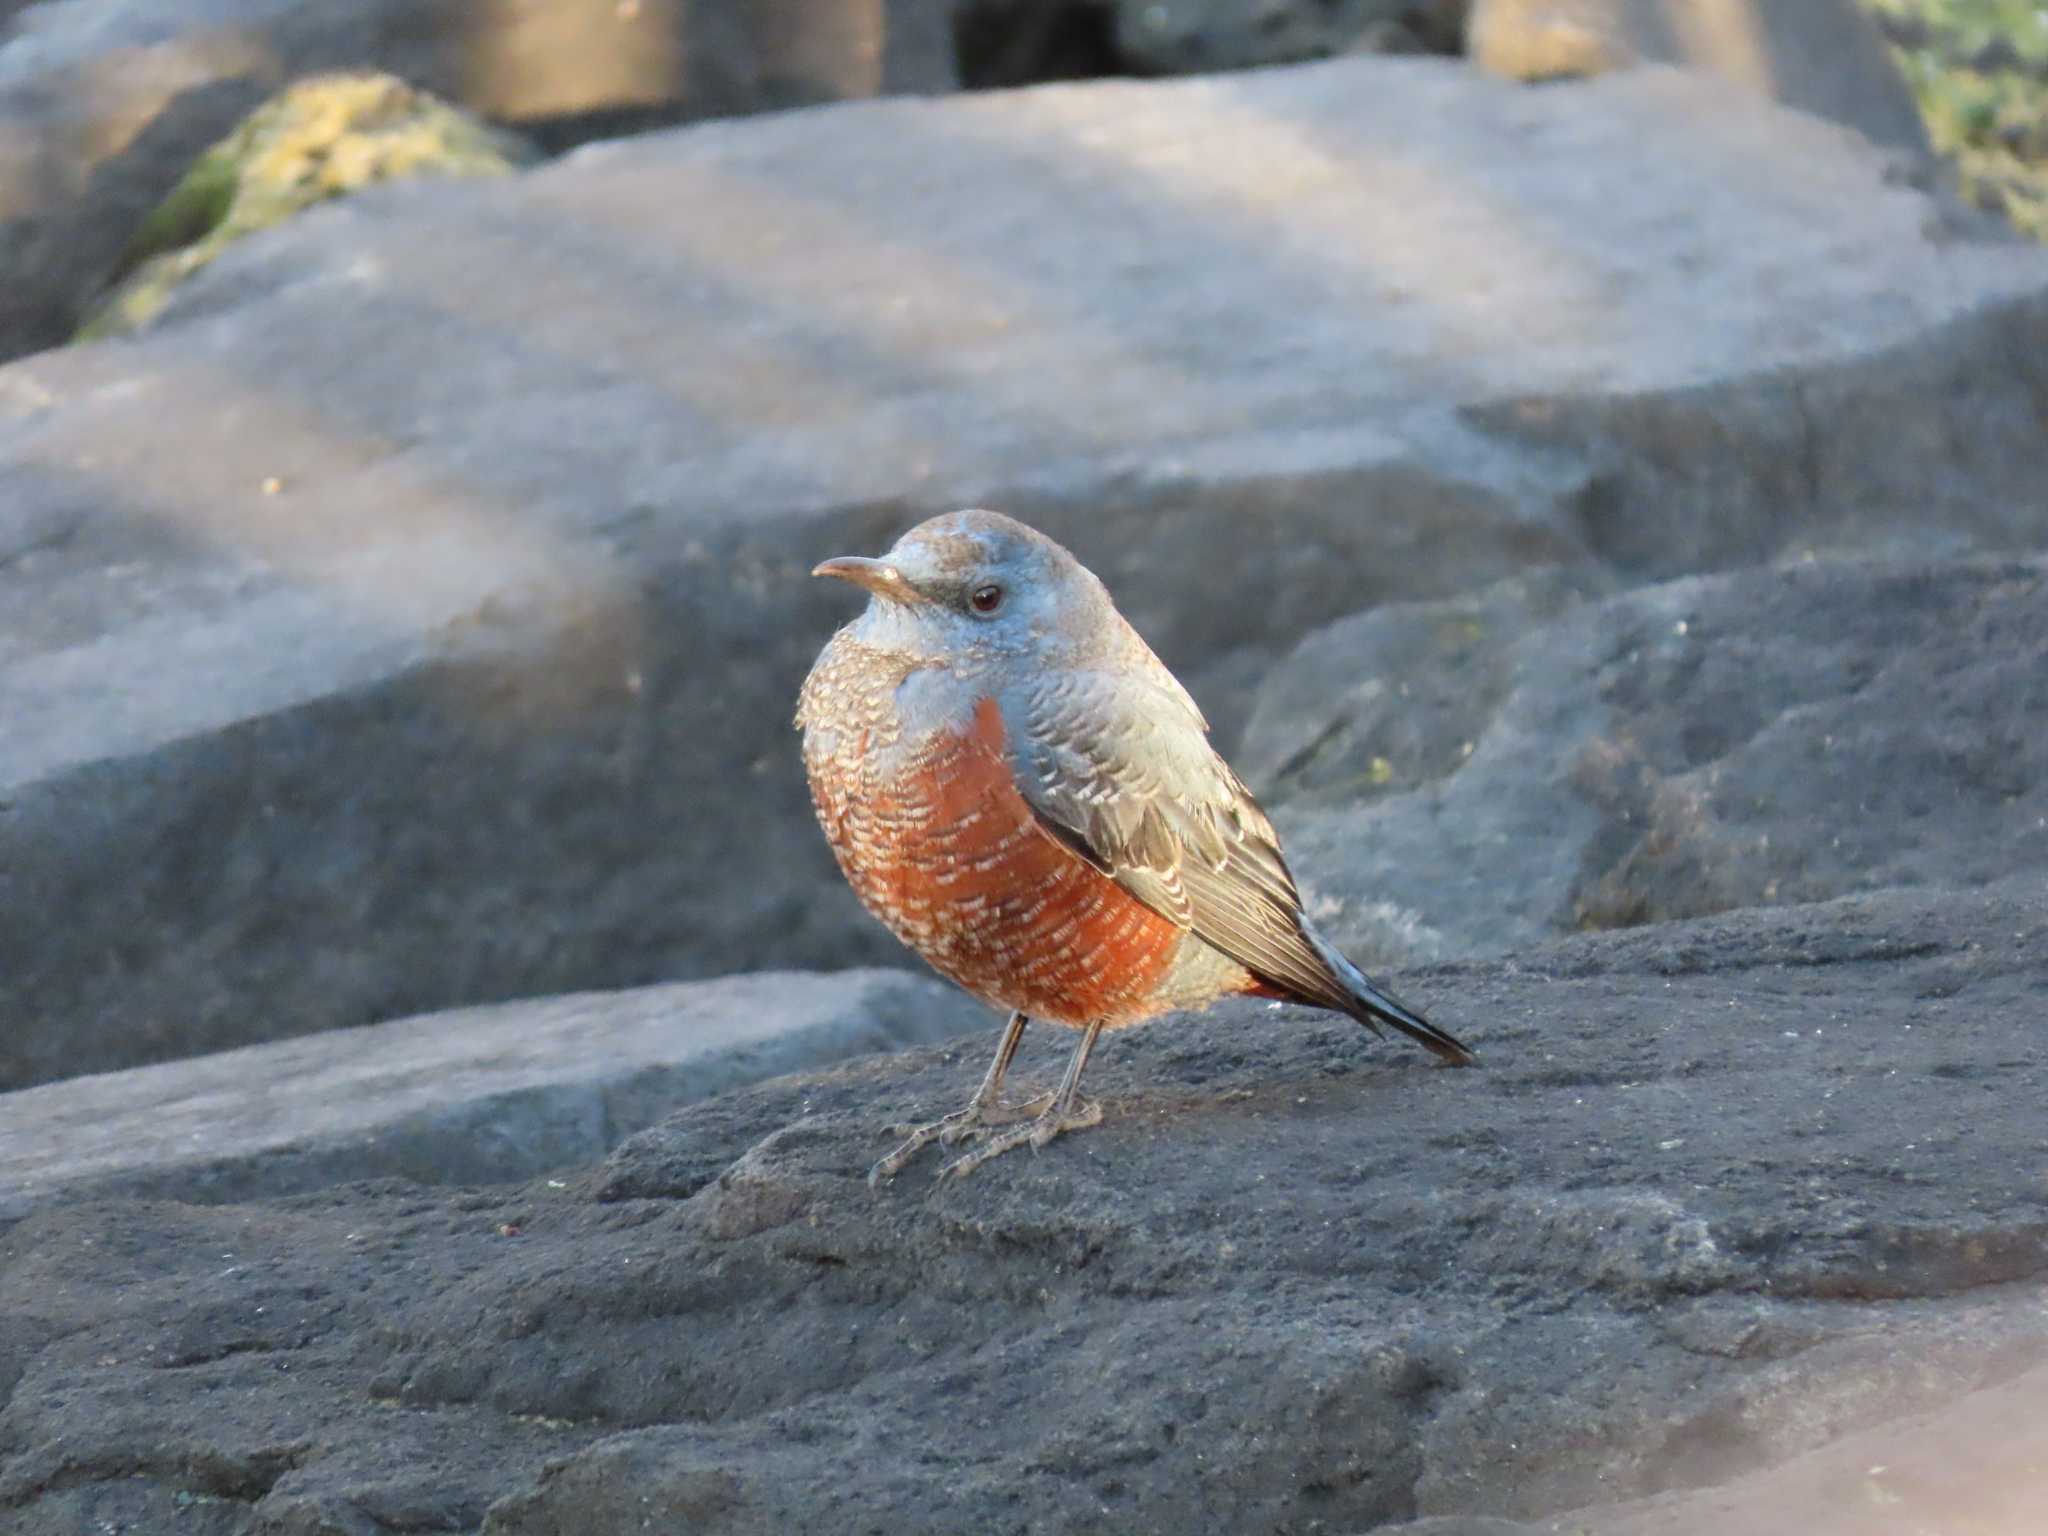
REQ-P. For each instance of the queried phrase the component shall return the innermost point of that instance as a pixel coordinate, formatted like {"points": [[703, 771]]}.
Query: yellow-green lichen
{"points": [[1979, 69], [322, 137]]}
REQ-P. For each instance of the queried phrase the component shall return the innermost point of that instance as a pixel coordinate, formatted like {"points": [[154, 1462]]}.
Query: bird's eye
{"points": [[986, 598]]}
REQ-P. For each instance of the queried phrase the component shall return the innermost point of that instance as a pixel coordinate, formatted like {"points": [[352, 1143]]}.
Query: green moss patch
{"points": [[1980, 71], [323, 137]]}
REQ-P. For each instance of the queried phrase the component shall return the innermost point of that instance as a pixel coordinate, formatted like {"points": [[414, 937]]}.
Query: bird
{"points": [[1019, 789]]}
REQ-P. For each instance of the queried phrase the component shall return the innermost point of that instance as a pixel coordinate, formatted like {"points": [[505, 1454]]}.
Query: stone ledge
{"points": [[479, 1095]]}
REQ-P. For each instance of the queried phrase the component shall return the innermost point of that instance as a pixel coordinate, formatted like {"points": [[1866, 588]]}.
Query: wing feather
{"points": [[1121, 770]]}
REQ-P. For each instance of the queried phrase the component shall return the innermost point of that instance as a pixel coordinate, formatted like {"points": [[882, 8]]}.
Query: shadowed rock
{"points": [[1475, 775], [1165, 37]]}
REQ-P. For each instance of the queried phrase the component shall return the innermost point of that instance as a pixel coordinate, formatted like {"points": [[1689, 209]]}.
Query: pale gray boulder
{"points": [[473, 1096]]}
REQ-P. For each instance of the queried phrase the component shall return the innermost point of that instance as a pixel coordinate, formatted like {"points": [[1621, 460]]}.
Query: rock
{"points": [[413, 617], [1721, 1193], [1174, 37], [1975, 1466], [1821, 56], [105, 104], [1479, 774], [1004, 43], [322, 137], [477, 1096], [1022, 42]]}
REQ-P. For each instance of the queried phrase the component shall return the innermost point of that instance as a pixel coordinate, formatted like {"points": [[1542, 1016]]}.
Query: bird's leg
{"points": [[981, 1112], [1067, 1112]]}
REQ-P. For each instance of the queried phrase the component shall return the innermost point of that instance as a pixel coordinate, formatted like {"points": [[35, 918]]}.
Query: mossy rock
{"points": [[1979, 69], [323, 137]]}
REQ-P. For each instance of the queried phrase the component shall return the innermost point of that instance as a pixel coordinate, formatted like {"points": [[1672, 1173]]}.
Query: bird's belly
{"points": [[939, 843]]}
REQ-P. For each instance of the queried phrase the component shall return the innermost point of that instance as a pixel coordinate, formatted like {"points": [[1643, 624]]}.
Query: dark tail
{"points": [[1366, 1003]]}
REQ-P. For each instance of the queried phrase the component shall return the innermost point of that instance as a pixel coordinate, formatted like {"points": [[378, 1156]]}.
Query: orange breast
{"points": [[948, 854]]}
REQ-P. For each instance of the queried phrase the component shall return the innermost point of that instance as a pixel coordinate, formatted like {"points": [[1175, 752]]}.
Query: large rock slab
{"points": [[480, 1095], [1475, 775], [413, 619], [104, 104], [1719, 1194]]}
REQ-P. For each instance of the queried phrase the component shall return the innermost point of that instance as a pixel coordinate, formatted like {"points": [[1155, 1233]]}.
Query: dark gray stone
{"points": [[1474, 775], [1720, 1193], [1177, 37], [483, 1095], [413, 619]]}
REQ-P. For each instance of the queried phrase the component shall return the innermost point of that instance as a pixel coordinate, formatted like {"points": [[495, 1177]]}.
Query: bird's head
{"points": [[980, 587]]}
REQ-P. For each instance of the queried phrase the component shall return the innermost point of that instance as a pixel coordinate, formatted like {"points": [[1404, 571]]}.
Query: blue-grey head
{"points": [[979, 587]]}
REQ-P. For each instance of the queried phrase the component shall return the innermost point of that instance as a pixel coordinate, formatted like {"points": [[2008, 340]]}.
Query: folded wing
{"points": [[1120, 769]]}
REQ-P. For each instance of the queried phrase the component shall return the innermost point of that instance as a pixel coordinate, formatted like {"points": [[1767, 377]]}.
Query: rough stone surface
{"points": [[1720, 1193], [104, 104], [1821, 56], [1976, 1465], [373, 637], [483, 1095], [1476, 775]]}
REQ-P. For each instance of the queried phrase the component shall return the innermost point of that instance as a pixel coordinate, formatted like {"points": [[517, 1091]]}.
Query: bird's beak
{"points": [[878, 576]]}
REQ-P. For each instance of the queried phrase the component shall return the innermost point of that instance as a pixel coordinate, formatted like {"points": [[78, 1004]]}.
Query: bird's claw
{"points": [[1038, 1133], [961, 1125]]}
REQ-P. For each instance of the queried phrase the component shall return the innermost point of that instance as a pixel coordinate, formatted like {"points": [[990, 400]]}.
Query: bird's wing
{"points": [[1119, 767]]}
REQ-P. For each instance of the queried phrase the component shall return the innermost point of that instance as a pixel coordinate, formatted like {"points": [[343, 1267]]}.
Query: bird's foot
{"points": [[976, 1119], [1075, 1117]]}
